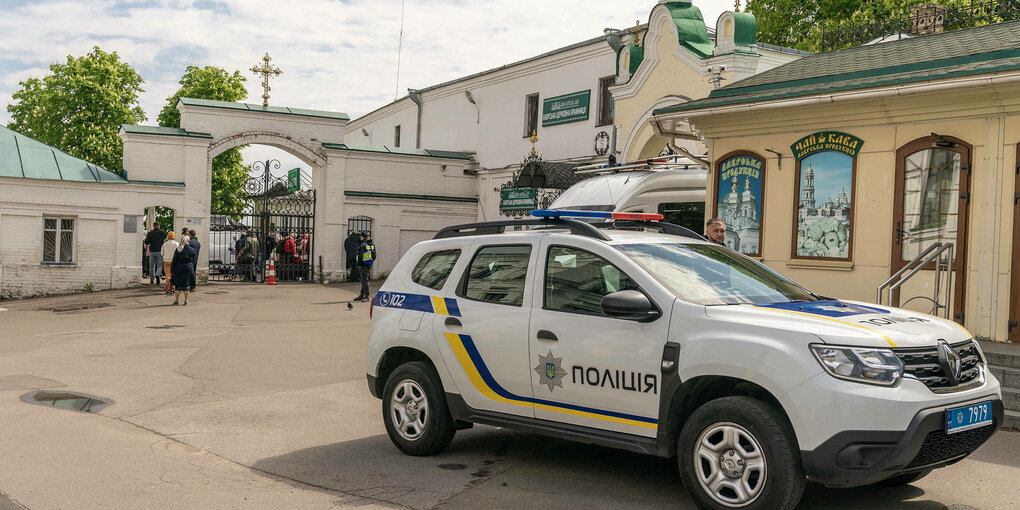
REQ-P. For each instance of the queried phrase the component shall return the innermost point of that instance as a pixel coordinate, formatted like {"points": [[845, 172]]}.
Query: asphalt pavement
{"points": [[255, 397]]}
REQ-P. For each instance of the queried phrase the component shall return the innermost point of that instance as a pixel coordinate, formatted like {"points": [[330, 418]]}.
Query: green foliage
{"points": [[799, 23], [228, 170], [165, 217], [80, 106]]}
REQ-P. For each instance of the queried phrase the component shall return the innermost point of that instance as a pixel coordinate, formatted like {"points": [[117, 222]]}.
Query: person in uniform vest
{"points": [[366, 257]]}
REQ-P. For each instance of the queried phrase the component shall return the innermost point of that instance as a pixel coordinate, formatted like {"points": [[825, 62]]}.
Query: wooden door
{"points": [[932, 200]]}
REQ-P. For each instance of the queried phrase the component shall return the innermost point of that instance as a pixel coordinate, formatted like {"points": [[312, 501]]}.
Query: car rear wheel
{"points": [[739, 452], [414, 408]]}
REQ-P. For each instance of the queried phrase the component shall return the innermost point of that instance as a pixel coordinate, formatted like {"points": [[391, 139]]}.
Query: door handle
{"points": [[453, 321], [545, 334]]}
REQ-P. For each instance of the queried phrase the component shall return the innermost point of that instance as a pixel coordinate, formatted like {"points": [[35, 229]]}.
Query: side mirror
{"points": [[630, 305]]}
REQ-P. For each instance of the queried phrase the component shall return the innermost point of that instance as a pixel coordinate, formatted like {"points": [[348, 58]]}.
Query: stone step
{"points": [[1012, 421], [1011, 399], [1008, 377], [1003, 359]]}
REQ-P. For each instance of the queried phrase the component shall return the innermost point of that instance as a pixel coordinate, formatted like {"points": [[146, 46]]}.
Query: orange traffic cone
{"points": [[271, 280]]}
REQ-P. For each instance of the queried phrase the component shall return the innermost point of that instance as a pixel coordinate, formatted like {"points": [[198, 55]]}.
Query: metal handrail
{"points": [[878, 297], [932, 253]]}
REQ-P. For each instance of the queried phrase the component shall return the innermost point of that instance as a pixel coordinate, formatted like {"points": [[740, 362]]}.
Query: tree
{"points": [[228, 170], [799, 23], [80, 106]]}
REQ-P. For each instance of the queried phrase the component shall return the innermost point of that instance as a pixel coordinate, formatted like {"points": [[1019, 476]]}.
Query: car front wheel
{"points": [[740, 452], [414, 409]]}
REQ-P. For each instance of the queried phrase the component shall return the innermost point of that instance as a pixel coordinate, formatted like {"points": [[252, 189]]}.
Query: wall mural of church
{"points": [[825, 177], [739, 200]]}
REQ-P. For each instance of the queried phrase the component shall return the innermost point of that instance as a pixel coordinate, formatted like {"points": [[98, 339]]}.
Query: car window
{"points": [[708, 274], [434, 268], [497, 274], [576, 280]]}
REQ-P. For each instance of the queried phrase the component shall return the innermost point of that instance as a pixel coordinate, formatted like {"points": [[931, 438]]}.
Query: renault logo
{"points": [[950, 362]]}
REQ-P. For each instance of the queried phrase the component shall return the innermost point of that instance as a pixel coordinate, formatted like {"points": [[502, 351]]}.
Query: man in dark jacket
{"points": [[155, 239], [198, 247], [351, 245]]}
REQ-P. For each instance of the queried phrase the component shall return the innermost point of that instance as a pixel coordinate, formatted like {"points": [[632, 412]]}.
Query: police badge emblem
{"points": [[550, 371]]}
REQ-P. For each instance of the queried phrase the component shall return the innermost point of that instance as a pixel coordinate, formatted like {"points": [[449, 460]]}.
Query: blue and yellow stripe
{"points": [[483, 381]]}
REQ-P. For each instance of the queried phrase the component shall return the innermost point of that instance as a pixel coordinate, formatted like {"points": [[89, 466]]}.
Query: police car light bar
{"points": [[556, 213]]}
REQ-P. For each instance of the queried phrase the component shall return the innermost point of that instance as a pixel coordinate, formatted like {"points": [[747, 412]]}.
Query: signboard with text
{"points": [[565, 109], [518, 199], [826, 141], [294, 179]]}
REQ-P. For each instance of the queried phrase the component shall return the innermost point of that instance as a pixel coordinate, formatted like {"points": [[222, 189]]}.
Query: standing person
{"points": [[267, 250], [305, 256], [366, 257], [251, 255], [351, 245], [235, 250], [290, 256], [154, 240], [183, 270], [197, 246], [715, 231], [168, 250]]}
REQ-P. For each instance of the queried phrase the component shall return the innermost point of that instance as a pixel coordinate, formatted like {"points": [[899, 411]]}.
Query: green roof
{"points": [[690, 27], [979, 50], [397, 150], [162, 131], [259, 108], [21, 156], [745, 29]]}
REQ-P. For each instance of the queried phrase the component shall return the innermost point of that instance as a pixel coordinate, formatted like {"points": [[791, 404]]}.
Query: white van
{"points": [[678, 195]]}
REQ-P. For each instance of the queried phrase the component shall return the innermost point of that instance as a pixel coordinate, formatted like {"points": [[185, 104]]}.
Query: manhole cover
{"points": [[167, 326], [65, 400], [76, 307], [215, 292]]}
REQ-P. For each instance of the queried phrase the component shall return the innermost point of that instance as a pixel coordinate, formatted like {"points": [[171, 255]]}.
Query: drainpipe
{"points": [[416, 97]]}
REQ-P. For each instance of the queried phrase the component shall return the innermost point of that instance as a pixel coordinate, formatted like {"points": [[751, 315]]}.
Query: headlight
{"points": [[860, 364]]}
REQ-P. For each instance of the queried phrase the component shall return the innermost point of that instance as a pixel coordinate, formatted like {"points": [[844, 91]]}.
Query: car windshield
{"points": [[714, 275]]}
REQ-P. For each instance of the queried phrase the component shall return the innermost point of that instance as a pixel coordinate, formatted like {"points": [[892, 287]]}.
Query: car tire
{"points": [[740, 452], [415, 412], [906, 479]]}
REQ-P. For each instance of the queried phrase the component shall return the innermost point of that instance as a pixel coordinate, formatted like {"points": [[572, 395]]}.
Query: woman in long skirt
{"points": [[168, 251], [183, 269]]}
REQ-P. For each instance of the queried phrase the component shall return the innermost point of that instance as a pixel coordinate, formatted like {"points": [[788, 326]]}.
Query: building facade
{"points": [[871, 155], [584, 102]]}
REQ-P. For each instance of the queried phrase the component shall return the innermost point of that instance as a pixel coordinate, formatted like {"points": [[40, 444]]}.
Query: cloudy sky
{"points": [[337, 55]]}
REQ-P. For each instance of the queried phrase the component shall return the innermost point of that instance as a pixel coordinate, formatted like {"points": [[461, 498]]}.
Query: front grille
{"points": [[940, 447], [923, 364]]}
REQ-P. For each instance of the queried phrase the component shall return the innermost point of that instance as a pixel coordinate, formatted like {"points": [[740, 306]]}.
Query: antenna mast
{"points": [[400, 45]]}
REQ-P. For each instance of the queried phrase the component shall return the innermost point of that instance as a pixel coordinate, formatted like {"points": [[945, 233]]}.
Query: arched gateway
{"points": [[406, 191]]}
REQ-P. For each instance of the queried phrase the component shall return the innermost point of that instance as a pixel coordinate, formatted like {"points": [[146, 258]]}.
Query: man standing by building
{"points": [[155, 239], [351, 245], [715, 231], [366, 257]]}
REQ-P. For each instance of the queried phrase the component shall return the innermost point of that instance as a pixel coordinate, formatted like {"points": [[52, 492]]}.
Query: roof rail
{"points": [[666, 228], [498, 227]]}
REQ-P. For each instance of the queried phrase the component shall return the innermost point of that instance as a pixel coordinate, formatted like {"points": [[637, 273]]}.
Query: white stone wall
{"points": [[495, 130], [105, 256], [396, 221]]}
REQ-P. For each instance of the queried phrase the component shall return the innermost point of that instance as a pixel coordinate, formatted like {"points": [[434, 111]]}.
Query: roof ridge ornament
{"points": [[637, 32], [533, 139]]}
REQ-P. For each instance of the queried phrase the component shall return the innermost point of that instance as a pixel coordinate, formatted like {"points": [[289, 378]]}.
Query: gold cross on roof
{"points": [[637, 33], [266, 70], [533, 139], [736, 8]]}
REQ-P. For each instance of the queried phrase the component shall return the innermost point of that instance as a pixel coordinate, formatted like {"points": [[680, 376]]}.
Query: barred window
{"points": [[530, 115], [606, 106], [58, 241]]}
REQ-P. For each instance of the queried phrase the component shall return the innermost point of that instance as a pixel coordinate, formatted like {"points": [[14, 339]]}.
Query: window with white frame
{"points": [[58, 241]]}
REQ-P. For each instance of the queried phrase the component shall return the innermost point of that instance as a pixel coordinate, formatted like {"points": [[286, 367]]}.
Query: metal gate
{"points": [[270, 209]]}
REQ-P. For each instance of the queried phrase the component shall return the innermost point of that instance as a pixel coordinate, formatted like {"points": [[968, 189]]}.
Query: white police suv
{"points": [[627, 332]]}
